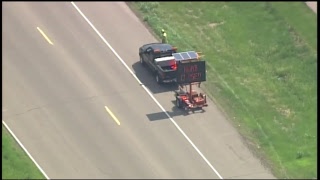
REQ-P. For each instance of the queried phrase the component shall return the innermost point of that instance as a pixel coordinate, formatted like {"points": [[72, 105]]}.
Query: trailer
{"points": [[190, 99], [191, 70]]}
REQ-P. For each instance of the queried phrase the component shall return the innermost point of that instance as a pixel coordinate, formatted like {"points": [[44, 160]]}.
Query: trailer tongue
{"points": [[191, 71]]}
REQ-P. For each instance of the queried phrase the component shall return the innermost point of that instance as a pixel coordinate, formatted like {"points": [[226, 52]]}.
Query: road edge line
{"points": [[25, 150]]}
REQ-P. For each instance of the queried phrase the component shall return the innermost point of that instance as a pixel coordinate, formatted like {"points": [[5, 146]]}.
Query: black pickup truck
{"points": [[158, 57]]}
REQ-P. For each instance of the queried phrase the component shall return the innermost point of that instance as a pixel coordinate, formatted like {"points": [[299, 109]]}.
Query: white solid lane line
{"points": [[25, 150], [146, 89]]}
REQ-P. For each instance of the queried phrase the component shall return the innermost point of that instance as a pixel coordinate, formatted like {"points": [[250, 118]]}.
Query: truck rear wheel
{"points": [[158, 79], [141, 61]]}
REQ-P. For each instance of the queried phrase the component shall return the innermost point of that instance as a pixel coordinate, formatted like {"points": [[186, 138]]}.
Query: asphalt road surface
{"points": [[312, 5], [59, 79]]}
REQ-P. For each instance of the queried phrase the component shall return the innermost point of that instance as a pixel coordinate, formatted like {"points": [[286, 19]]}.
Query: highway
{"points": [[81, 114]]}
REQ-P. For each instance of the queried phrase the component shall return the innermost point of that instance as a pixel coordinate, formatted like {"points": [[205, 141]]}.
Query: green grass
{"points": [[15, 163], [261, 61]]}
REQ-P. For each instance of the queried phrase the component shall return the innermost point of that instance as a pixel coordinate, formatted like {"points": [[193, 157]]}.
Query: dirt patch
{"points": [[212, 25]]}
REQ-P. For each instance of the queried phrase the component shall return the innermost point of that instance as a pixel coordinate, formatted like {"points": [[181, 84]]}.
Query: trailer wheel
{"points": [[178, 103]]}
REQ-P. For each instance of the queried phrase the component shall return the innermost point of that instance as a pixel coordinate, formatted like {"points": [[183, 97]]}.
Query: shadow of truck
{"points": [[148, 79]]}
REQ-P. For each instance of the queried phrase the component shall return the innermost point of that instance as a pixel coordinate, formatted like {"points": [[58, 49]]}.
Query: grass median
{"points": [[261, 61], [15, 162]]}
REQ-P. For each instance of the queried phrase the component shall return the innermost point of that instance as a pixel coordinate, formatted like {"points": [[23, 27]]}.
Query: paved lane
{"points": [[312, 5], [55, 98], [210, 131]]}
